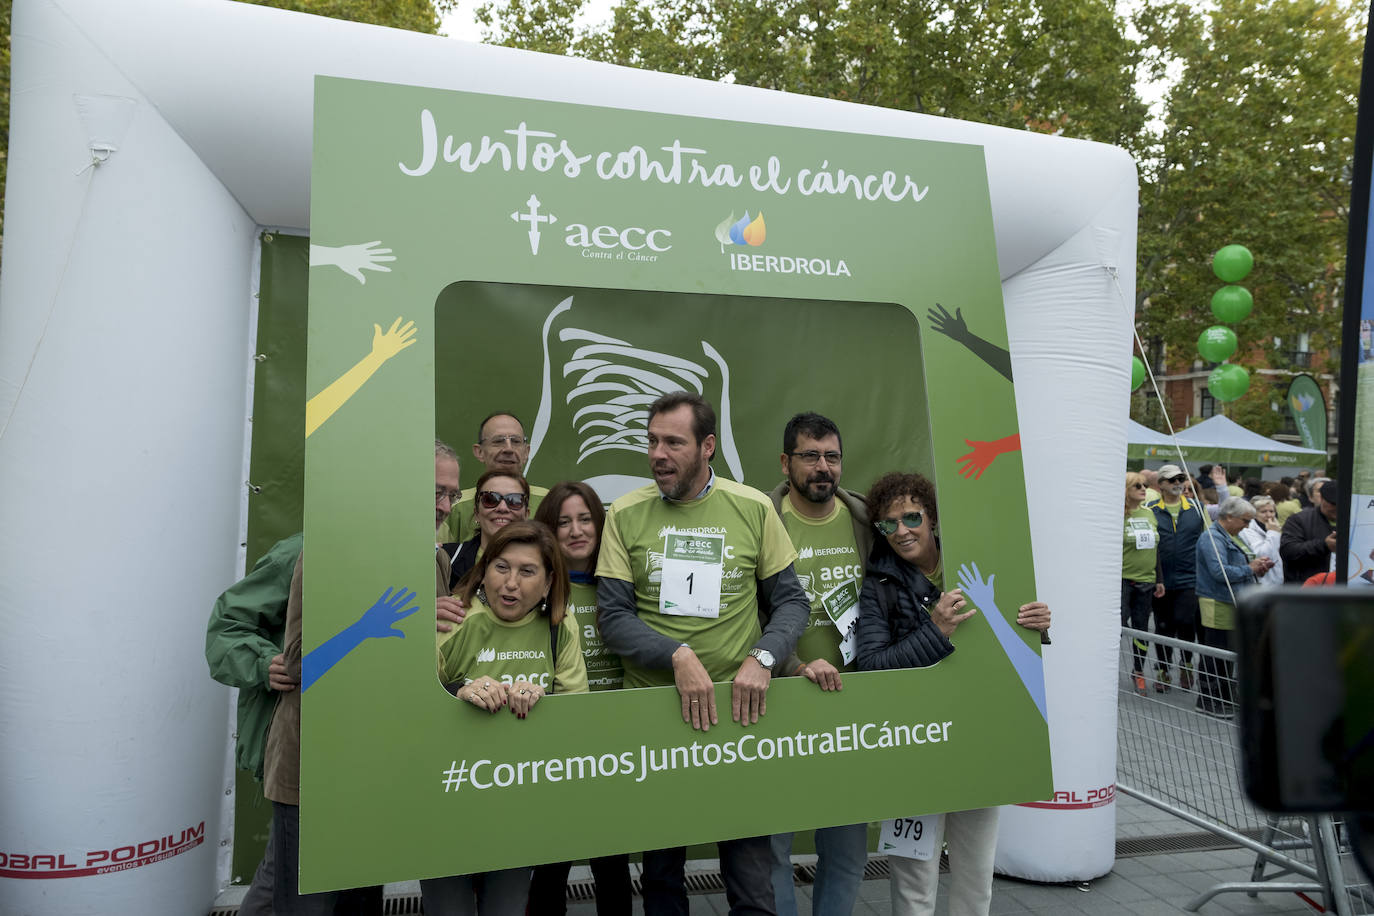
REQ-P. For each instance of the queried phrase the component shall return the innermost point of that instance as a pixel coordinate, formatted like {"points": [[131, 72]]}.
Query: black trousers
{"points": [[549, 888], [746, 866], [1175, 616]]}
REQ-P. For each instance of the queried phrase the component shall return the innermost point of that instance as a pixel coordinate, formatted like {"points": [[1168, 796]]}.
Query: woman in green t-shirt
{"points": [[517, 643], [574, 513], [1140, 579]]}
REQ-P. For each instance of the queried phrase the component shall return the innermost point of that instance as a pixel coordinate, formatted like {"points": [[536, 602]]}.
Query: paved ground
{"points": [[1166, 749]]}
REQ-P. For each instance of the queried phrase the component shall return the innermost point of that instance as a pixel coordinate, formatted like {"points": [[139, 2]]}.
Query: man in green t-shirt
{"points": [[829, 528], [683, 564], [501, 446]]}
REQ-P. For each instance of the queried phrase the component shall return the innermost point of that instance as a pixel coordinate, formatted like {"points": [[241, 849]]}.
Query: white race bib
{"points": [[1145, 537], [841, 603], [909, 837], [692, 568]]}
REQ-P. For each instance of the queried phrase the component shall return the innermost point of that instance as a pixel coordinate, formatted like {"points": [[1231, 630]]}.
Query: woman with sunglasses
{"points": [[906, 620], [574, 513], [501, 498], [517, 643], [1141, 580]]}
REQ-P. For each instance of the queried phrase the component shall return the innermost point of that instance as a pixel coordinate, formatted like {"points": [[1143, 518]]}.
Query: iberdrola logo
{"points": [[750, 232], [1301, 402], [742, 231]]}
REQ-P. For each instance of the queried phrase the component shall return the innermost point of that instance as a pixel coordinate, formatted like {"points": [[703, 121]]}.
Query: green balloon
{"points": [[1232, 263], [1137, 372], [1228, 382], [1216, 343], [1232, 304]]}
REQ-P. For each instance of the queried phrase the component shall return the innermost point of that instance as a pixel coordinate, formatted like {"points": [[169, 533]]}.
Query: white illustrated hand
{"points": [[353, 259]]}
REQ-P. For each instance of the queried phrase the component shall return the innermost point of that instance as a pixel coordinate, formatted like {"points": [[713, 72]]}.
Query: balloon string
{"points": [[1159, 397]]}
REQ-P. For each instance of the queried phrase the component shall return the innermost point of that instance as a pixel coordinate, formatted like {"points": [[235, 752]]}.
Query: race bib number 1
{"points": [[910, 837], [692, 566], [842, 605]]}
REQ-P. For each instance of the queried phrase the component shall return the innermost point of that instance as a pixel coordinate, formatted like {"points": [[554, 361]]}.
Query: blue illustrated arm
{"points": [[377, 622], [1021, 656]]}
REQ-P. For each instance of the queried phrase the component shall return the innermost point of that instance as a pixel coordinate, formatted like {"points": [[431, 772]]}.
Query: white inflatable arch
{"points": [[151, 142]]}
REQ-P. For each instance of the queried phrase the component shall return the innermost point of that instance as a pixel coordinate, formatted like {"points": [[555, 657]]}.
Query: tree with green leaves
{"points": [[411, 15], [1255, 148], [1056, 66], [1253, 144]]}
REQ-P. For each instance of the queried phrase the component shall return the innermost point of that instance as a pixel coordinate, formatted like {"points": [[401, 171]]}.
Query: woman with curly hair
{"points": [[906, 620]]}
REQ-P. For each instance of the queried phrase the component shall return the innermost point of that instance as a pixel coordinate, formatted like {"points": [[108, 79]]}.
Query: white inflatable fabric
{"points": [[151, 141]]}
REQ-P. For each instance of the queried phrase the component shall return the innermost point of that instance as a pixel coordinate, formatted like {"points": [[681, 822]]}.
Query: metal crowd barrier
{"points": [[1177, 750]]}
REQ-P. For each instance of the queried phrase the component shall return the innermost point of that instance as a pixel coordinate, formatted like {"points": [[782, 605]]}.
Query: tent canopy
{"points": [[1219, 439]]}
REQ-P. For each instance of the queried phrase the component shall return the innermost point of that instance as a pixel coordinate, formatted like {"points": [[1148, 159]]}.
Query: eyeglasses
{"points": [[888, 526], [811, 456], [1139, 486], [490, 499], [503, 441], [440, 494], [1179, 479]]}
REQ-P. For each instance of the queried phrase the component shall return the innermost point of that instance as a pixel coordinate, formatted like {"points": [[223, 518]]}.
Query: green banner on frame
{"points": [[472, 253]]}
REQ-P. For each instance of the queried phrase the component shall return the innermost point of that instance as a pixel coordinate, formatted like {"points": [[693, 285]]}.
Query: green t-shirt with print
{"points": [[1139, 545], [831, 572], [484, 645], [674, 553], [461, 526], [604, 668]]}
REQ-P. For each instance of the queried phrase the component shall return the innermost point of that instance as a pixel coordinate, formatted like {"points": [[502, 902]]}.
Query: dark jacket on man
{"points": [[1302, 545], [1178, 542]]}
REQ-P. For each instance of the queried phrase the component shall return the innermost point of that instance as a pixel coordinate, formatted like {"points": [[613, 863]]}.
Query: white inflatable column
{"points": [[123, 339], [1069, 321]]}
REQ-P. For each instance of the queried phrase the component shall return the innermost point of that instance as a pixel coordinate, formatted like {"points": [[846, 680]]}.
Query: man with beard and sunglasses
{"points": [[829, 528], [686, 563]]}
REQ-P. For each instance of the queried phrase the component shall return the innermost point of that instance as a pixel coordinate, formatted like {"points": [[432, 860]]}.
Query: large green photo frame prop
{"points": [[547, 201]]}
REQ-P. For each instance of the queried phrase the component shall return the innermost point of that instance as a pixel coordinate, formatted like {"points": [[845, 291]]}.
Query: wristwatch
{"points": [[763, 657]]}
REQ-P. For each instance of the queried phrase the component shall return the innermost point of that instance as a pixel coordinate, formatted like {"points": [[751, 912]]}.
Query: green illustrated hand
{"points": [[353, 259], [956, 329], [384, 346], [952, 326]]}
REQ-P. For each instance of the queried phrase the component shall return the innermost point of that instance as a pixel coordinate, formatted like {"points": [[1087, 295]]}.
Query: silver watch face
{"points": [[765, 658]]}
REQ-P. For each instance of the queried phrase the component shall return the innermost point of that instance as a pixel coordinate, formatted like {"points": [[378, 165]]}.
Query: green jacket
{"points": [[241, 639]]}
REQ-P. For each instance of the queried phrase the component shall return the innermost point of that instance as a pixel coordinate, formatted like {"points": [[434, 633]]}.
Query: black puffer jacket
{"points": [[903, 635]]}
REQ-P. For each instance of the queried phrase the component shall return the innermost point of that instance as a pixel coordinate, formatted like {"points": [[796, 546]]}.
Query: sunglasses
{"points": [[888, 526], [1179, 479], [490, 499]]}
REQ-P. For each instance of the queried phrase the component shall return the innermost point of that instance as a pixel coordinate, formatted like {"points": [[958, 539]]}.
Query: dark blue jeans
{"points": [[287, 900]]}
